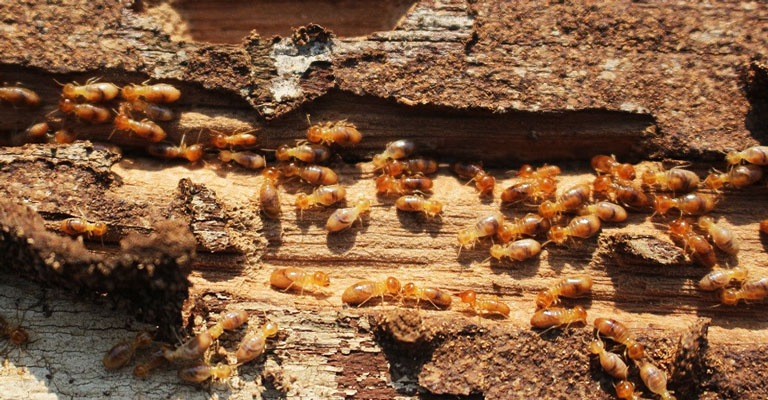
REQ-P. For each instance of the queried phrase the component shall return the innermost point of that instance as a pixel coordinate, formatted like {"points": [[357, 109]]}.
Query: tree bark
{"points": [[500, 82]]}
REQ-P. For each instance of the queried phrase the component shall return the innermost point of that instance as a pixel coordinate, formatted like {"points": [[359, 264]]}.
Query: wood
{"points": [[498, 82]]}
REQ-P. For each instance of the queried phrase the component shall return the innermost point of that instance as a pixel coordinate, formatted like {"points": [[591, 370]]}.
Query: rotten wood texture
{"points": [[494, 81]]}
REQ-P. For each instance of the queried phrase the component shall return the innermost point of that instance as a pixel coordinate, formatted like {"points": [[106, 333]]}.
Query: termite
{"points": [[484, 227], [749, 290], [80, 226], [343, 218], [244, 139], [157, 359], [159, 93], [691, 203], [191, 153], [436, 297], [342, 133], [619, 333], [484, 304], [626, 390], [720, 278], [655, 380], [295, 278], [254, 343], [121, 353], [269, 196], [19, 97], [92, 92], [146, 129], [518, 250], [738, 176], [609, 165], [567, 287], [64, 136], [757, 155], [571, 199], [483, 181], [86, 112], [681, 232], [528, 225], [673, 180], [390, 185], [245, 158], [395, 150], [414, 203], [611, 362], [359, 293], [620, 190], [583, 226], [200, 371], [605, 210], [557, 316], [721, 236], [152, 111], [309, 153], [322, 195], [411, 166], [312, 174]]}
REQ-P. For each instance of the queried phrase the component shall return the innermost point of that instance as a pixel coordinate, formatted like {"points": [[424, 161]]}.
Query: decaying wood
{"points": [[494, 81]]}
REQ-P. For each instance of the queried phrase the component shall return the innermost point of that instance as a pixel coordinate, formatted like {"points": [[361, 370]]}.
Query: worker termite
{"points": [[533, 190], [567, 287], [764, 226], [35, 133], [738, 176], [200, 371], [343, 218], [545, 171], [483, 304], [557, 316], [483, 181], [395, 150], [583, 226], [436, 297], [146, 129], [269, 196], [19, 97], [606, 211], [749, 290], [721, 236], [245, 158], [254, 343], [159, 93], [80, 226], [309, 153], [620, 190], [619, 333], [152, 111], [529, 225], [757, 155], [571, 199], [611, 362], [655, 380], [691, 203], [518, 250], [674, 180], [156, 359], [359, 293], [411, 166], [86, 112], [312, 174], [412, 203], [342, 133], [294, 278], [169, 151], [681, 232], [244, 139], [626, 390], [229, 320], [122, 352], [609, 165], [323, 195], [390, 185], [192, 349], [484, 227], [91, 92], [720, 278]]}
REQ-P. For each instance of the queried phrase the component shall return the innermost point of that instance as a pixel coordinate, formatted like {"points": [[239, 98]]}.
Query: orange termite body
{"points": [[79, 226], [359, 293], [159, 93], [342, 133], [122, 352], [619, 333], [146, 129], [86, 112], [556, 316], [484, 304], [91, 92], [567, 287], [19, 97]]}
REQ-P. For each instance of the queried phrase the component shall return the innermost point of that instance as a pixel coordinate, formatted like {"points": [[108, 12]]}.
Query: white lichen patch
{"points": [[291, 62]]}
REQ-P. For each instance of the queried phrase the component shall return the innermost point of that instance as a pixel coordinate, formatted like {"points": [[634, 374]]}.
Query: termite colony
{"points": [[193, 357], [562, 216]]}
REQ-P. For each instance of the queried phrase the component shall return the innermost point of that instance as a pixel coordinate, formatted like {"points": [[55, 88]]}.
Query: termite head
{"points": [[219, 140], [321, 279], [315, 133], [626, 171], [729, 297], [625, 389], [662, 203], [129, 92], [379, 161], [636, 351], [544, 299], [714, 180], [225, 155], [144, 339], [269, 329], [122, 121], [66, 105], [733, 157], [394, 167], [596, 346], [549, 170], [99, 229], [18, 337], [547, 209], [290, 169], [68, 90], [485, 184], [602, 183], [409, 289], [282, 152], [497, 251], [705, 222], [393, 285], [525, 170], [467, 237], [468, 296], [433, 208], [384, 182], [680, 226], [557, 234], [363, 205], [194, 153], [302, 201], [580, 313], [271, 173], [649, 178]]}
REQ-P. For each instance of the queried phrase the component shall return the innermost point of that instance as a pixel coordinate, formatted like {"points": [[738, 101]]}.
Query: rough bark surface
{"points": [[502, 82]]}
